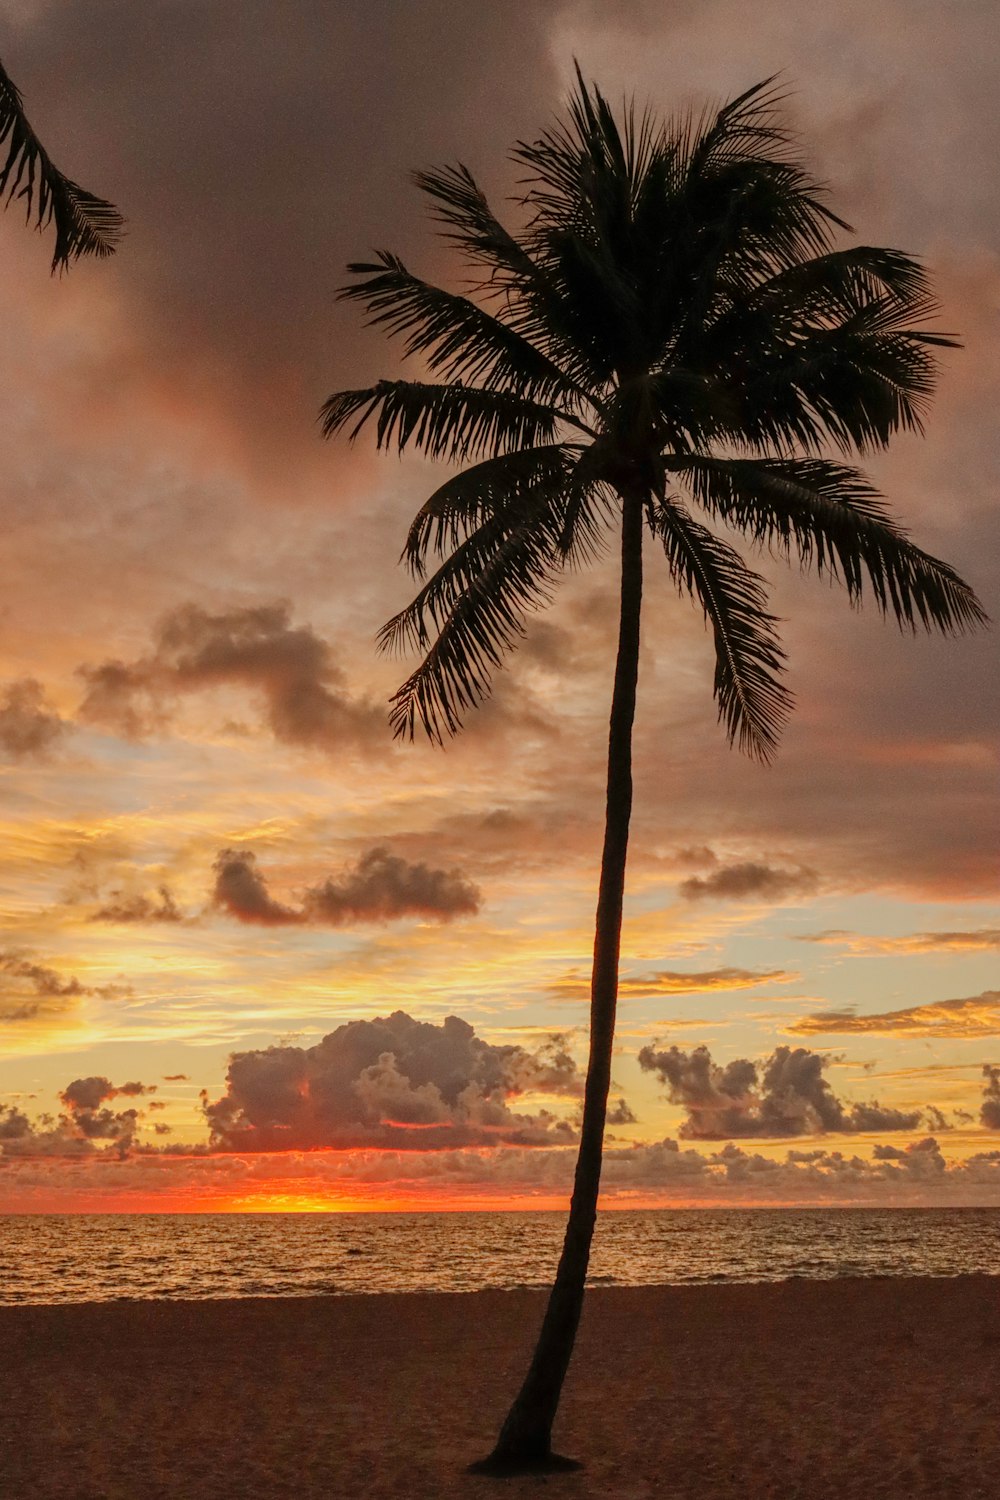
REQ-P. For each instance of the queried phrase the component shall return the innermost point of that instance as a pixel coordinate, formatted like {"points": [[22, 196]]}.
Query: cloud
{"points": [[290, 669], [781, 1095], [620, 1113], [14, 1124], [576, 986], [124, 909], [662, 1171], [29, 990], [88, 1093], [977, 1015], [30, 728], [989, 1114], [86, 1099], [380, 887], [982, 939], [749, 881], [391, 1082], [241, 891], [87, 1120]]}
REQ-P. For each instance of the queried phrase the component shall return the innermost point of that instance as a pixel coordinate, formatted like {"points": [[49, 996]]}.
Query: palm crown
{"points": [[672, 323]]}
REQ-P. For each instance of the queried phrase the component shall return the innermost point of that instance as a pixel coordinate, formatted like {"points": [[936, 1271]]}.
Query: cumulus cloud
{"points": [[87, 1100], [977, 1015], [289, 668], [749, 881], [88, 1124], [393, 1081], [576, 985], [30, 728], [379, 887], [781, 1095], [88, 1093]]}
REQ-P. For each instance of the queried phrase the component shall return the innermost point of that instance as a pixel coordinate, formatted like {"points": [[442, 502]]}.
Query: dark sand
{"points": [[849, 1389]]}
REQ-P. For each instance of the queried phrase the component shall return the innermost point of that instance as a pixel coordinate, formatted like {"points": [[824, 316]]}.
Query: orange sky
{"points": [[209, 846]]}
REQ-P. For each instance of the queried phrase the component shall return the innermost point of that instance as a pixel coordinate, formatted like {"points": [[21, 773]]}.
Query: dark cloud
{"points": [[241, 891], [977, 1015], [923, 1158], [290, 668], [14, 1124], [390, 1082], [781, 1095], [30, 728], [88, 1093], [380, 887], [89, 1117], [124, 909], [620, 1113], [749, 881], [989, 1114]]}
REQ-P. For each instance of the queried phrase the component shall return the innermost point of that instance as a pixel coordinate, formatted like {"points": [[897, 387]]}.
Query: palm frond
{"points": [[842, 281], [533, 308], [84, 224], [753, 702], [748, 125], [454, 422], [461, 206], [459, 339], [504, 489], [833, 517], [473, 608]]}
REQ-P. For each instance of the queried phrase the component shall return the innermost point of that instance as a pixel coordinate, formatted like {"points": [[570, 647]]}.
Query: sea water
{"points": [[97, 1258]]}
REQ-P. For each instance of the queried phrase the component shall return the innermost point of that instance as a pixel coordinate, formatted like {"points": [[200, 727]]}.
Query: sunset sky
{"points": [[210, 846]]}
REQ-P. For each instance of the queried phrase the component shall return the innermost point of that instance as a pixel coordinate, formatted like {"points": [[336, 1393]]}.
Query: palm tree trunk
{"points": [[525, 1439]]}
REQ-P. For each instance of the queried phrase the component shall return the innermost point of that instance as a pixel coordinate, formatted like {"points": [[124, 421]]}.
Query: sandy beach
{"points": [[880, 1388]]}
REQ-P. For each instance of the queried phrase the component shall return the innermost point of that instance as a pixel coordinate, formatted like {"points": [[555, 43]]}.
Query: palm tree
{"points": [[85, 225], [671, 329]]}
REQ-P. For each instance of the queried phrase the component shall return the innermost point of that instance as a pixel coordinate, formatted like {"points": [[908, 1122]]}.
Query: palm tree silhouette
{"points": [[85, 225], [671, 328]]}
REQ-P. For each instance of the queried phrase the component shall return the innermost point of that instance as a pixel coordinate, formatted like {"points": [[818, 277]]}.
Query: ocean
{"points": [[99, 1258]]}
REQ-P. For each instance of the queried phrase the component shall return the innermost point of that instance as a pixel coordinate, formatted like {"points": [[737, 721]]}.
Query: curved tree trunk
{"points": [[525, 1440]]}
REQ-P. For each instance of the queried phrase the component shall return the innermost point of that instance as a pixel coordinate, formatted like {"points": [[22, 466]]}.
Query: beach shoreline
{"points": [[874, 1387]]}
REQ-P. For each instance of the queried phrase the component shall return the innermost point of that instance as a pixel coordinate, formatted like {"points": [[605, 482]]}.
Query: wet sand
{"points": [[882, 1389]]}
